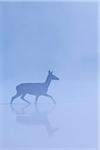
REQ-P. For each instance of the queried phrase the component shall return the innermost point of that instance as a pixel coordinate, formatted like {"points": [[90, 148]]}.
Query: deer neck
{"points": [[47, 82]]}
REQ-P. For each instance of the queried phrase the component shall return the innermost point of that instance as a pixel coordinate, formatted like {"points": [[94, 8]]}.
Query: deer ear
{"points": [[49, 71]]}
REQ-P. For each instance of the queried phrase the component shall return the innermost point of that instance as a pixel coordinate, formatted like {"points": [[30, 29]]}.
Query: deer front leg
{"points": [[36, 99], [50, 97]]}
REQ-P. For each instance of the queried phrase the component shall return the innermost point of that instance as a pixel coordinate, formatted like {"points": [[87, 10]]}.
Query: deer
{"points": [[36, 89]]}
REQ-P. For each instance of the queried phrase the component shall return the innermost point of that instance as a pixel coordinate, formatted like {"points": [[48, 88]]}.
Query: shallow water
{"points": [[70, 125]]}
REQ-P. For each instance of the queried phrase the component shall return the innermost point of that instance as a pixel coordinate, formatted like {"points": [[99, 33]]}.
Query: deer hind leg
{"points": [[22, 97], [17, 95], [50, 97]]}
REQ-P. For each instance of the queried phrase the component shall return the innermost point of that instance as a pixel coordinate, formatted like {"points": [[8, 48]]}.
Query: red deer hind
{"points": [[36, 89]]}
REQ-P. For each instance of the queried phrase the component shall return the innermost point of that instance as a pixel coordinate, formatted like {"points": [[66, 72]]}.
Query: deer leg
{"points": [[22, 97], [17, 95], [36, 99], [50, 97]]}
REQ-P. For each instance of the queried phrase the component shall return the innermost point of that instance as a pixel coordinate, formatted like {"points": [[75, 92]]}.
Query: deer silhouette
{"points": [[36, 89]]}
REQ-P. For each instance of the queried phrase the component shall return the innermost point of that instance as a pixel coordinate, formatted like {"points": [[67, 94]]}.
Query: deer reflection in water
{"points": [[38, 118]]}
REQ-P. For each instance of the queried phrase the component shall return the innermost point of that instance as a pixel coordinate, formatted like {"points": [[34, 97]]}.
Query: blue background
{"points": [[61, 36]]}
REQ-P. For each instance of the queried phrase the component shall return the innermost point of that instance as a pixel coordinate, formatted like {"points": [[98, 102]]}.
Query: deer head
{"points": [[52, 76]]}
